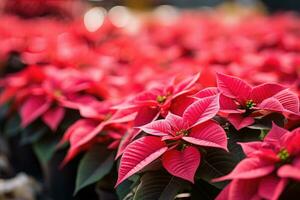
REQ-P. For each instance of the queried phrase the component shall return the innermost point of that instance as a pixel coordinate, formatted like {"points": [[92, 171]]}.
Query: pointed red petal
{"points": [[6, 94], [179, 104], [33, 108], [289, 100], [146, 115], [53, 117], [139, 154], [248, 168], [275, 134], [73, 128], [185, 85], [271, 104], [201, 110], [279, 188], [289, 171], [82, 139], [74, 134], [82, 133], [233, 87], [227, 105], [158, 127], [182, 164], [210, 91], [147, 98], [239, 122], [176, 122], [127, 138], [208, 134], [264, 91], [267, 186], [122, 116], [244, 189], [250, 148], [223, 195]]}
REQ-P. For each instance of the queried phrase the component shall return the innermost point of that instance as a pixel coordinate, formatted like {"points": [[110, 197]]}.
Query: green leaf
{"points": [[204, 191], [216, 163], [265, 122], [4, 110], [45, 148], [158, 185], [33, 133], [12, 126], [95, 164], [291, 191], [124, 188], [174, 186]]}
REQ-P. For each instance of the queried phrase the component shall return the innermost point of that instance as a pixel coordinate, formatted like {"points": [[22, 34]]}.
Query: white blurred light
{"points": [[94, 18], [166, 13], [119, 16]]}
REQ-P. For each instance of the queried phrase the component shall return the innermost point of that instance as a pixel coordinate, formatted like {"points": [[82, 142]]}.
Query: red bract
{"points": [[99, 125], [162, 97], [268, 168], [50, 98], [241, 102], [15, 85], [177, 141], [155, 102]]}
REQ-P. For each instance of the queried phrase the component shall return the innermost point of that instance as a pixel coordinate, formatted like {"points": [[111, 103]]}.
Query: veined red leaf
{"points": [[201, 110], [247, 169], [210, 91], [53, 117], [250, 147], [239, 122], [208, 134], [248, 186], [139, 154], [288, 100], [264, 91], [158, 127], [34, 107], [186, 85], [275, 134], [233, 87], [182, 164]]}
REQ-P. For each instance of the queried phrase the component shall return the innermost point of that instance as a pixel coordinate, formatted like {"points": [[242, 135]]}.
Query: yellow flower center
{"points": [[250, 104], [161, 99], [283, 154], [182, 132], [58, 93]]}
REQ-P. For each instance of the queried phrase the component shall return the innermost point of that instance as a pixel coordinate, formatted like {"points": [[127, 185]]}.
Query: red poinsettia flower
{"points": [[158, 101], [175, 140], [101, 123], [240, 102], [162, 97], [268, 168], [14, 86], [49, 99]]}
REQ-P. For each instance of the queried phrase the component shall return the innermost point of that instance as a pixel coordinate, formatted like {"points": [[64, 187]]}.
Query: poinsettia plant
{"points": [[208, 110], [180, 144]]}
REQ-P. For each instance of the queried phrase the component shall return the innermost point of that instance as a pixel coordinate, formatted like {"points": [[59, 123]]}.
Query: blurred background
{"points": [[31, 8]]}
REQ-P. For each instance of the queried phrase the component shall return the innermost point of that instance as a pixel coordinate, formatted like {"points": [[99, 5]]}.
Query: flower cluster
{"points": [[197, 104], [178, 136], [268, 168]]}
